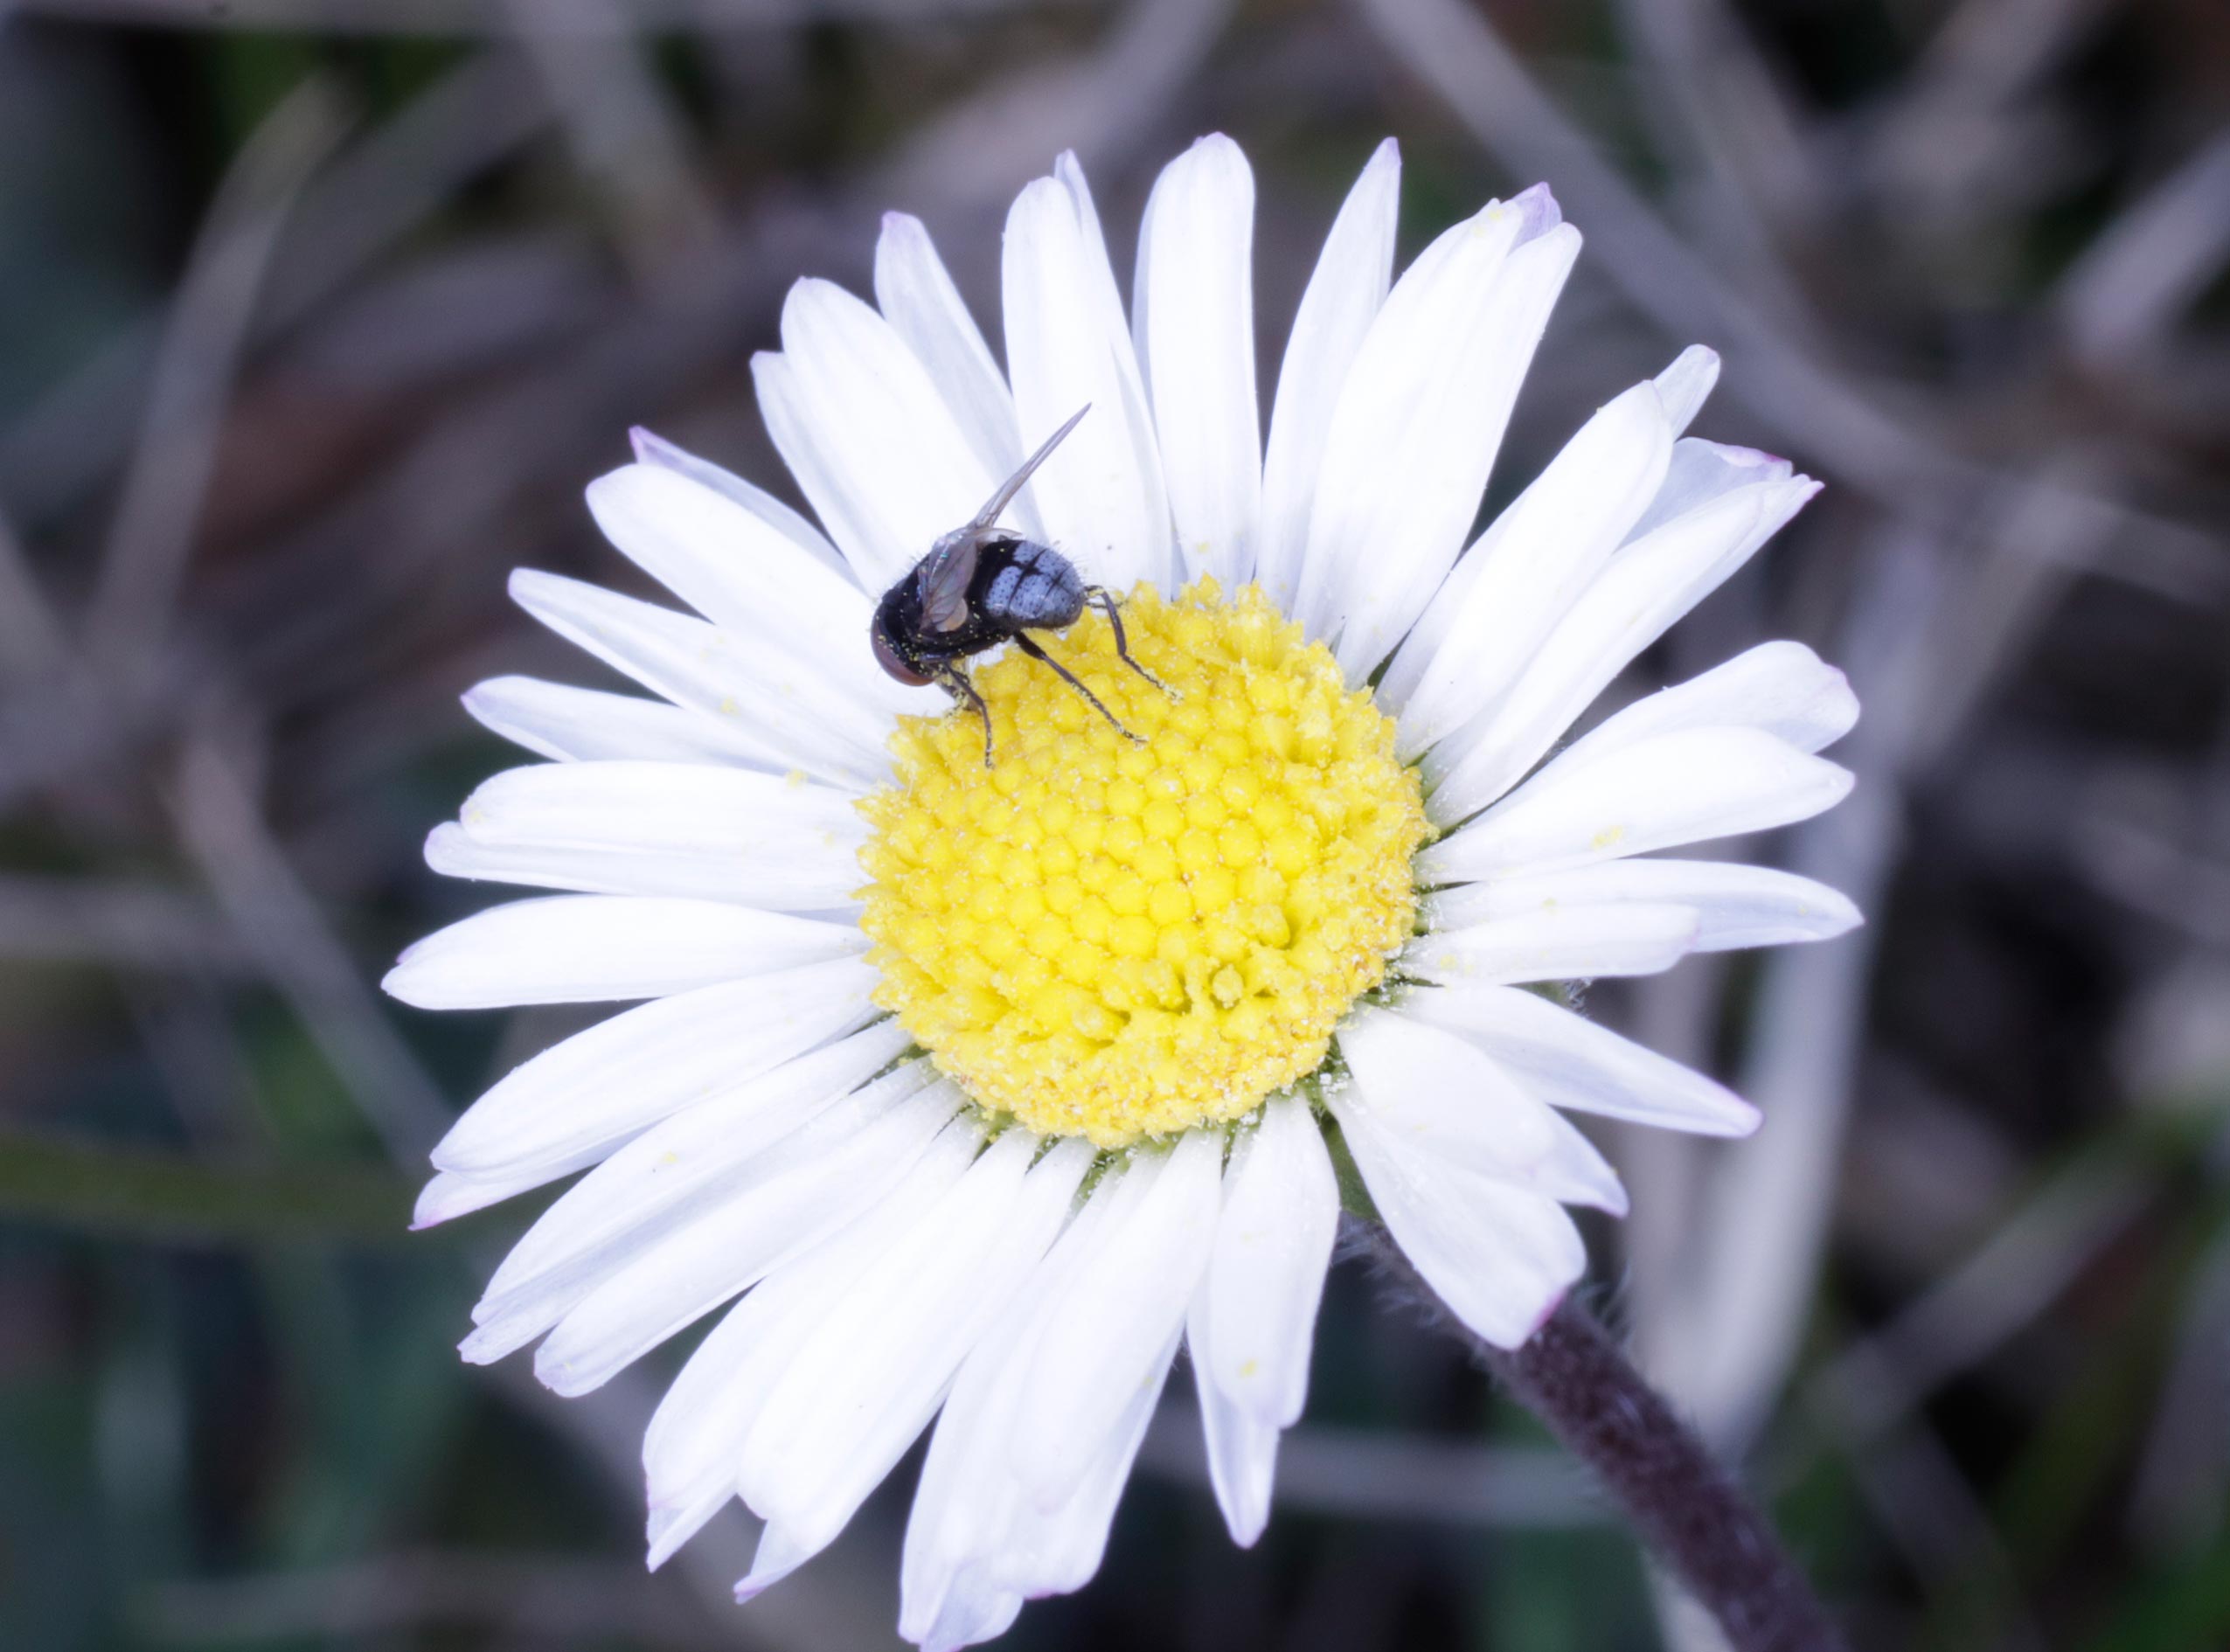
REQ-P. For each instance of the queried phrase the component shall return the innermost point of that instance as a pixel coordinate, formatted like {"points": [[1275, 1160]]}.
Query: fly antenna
{"points": [[1013, 484]]}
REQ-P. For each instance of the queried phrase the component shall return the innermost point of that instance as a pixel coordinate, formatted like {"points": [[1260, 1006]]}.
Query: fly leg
{"points": [[1069, 677], [1100, 597], [955, 682]]}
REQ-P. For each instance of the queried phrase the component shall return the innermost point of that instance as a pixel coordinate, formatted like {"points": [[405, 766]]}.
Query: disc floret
{"points": [[1118, 940]]}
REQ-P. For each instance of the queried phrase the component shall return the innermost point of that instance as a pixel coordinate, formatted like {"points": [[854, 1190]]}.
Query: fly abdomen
{"points": [[1032, 587]]}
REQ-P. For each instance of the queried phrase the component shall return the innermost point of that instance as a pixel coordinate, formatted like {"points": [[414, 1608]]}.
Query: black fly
{"points": [[982, 584]]}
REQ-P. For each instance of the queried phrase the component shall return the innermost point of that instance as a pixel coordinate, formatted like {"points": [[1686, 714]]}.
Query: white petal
{"points": [[976, 1610], [688, 1452], [1029, 1552], [776, 1167], [1680, 788], [1649, 586], [821, 472], [789, 717], [1101, 494], [569, 725], [1427, 1088], [1701, 471], [970, 1499], [1577, 1173], [1738, 906], [791, 617], [1099, 275], [786, 1201], [448, 1195], [776, 842], [1524, 293], [1684, 387], [1782, 689], [1242, 1462], [1254, 1313], [1401, 383], [1125, 1301], [662, 1177], [1418, 422], [868, 1380], [1501, 1257], [587, 948], [1442, 1099], [1196, 313], [1570, 1062], [918, 299], [677, 656], [683, 806], [781, 1552], [979, 1538], [652, 449], [650, 1061], [1557, 944], [877, 429], [1343, 297], [1528, 569], [452, 852], [1055, 1550], [1255, 1310]]}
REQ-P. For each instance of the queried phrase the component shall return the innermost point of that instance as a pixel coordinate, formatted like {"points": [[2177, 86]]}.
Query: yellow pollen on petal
{"points": [[1116, 941]]}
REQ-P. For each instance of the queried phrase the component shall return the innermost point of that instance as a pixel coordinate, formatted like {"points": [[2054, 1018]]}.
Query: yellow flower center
{"points": [[1119, 941]]}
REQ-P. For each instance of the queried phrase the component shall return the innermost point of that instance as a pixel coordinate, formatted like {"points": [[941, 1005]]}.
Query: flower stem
{"points": [[1683, 1504]]}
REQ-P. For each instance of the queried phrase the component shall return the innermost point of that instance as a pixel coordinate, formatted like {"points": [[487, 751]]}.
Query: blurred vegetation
{"points": [[314, 316]]}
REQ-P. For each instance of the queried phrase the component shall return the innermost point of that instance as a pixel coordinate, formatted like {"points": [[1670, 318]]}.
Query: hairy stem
{"points": [[1683, 1504]]}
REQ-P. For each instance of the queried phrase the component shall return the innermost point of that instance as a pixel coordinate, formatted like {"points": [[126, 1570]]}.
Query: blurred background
{"points": [[315, 316]]}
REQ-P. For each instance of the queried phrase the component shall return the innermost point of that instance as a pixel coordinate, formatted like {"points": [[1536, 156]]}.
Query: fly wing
{"points": [[942, 580], [1012, 485]]}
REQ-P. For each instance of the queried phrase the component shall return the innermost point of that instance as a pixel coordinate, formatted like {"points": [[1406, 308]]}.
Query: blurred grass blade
{"points": [[87, 1188]]}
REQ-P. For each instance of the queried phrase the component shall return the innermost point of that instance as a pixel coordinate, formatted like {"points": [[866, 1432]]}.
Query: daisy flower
{"points": [[968, 1093]]}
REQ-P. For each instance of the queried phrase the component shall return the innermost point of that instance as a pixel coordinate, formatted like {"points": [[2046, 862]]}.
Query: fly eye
{"points": [[887, 657]]}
